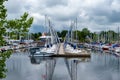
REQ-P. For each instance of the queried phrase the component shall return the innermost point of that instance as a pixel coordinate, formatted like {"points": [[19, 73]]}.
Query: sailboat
{"points": [[116, 47], [71, 44], [51, 41]]}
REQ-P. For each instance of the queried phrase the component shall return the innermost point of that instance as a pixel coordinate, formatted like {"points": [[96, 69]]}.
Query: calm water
{"points": [[99, 67]]}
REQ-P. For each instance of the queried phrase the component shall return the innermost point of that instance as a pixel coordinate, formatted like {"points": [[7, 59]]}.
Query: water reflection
{"points": [[49, 66], [72, 66], [38, 60], [101, 66]]}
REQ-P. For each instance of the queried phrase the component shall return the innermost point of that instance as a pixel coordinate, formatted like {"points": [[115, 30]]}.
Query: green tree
{"points": [[85, 32], [6, 54], [36, 36], [80, 37], [16, 26], [59, 34], [95, 37], [63, 33], [109, 36], [20, 27], [40, 34]]}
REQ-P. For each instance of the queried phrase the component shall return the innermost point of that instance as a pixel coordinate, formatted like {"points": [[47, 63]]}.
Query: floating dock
{"points": [[63, 54], [71, 55]]}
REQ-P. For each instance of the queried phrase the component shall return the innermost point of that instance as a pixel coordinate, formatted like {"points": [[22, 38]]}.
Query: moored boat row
{"points": [[110, 48]]}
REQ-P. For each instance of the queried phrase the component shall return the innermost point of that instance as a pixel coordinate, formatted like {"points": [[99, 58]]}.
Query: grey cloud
{"points": [[52, 3], [114, 17], [103, 13], [37, 28], [60, 17], [27, 7], [106, 17], [14, 7], [92, 14]]}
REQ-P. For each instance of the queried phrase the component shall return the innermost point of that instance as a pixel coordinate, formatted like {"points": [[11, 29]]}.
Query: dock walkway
{"points": [[61, 50], [63, 54]]}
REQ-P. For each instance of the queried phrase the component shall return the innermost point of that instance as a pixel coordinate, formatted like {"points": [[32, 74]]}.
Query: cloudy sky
{"points": [[96, 15]]}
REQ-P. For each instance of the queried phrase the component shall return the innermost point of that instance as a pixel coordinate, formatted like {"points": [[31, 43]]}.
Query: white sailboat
{"points": [[117, 47], [51, 45], [70, 46]]}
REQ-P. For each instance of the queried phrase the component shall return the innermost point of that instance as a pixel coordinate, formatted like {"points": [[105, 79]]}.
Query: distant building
{"points": [[44, 34]]}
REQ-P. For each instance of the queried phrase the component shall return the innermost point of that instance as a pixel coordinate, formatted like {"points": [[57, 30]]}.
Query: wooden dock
{"points": [[63, 54]]}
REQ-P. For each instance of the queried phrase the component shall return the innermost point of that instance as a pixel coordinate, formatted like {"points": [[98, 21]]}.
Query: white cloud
{"points": [[94, 14]]}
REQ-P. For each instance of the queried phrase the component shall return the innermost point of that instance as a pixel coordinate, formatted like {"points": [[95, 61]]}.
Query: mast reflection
{"points": [[72, 63], [49, 66]]}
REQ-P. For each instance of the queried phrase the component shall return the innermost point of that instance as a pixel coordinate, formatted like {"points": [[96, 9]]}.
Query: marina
{"points": [[50, 59], [59, 40]]}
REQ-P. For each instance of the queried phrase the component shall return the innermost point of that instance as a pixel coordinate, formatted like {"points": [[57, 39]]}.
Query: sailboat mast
{"points": [[71, 31], [50, 31], [45, 22], [118, 35], [46, 29], [76, 28]]}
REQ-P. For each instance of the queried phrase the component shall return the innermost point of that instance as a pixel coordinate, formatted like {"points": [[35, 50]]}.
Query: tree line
{"points": [[85, 35]]}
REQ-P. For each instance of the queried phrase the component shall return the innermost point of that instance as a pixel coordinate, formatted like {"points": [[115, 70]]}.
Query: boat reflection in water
{"points": [[49, 66], [50, 63], [71, 64], [38, 60], [101, 66]]}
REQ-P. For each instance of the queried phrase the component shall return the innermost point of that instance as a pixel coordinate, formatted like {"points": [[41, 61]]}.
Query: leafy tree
{"points": [[95, 37], [6, 54], [108, 36], [40, 34], [59, 34], [63, 33], [35, 36], [81, 35], [85, 32], [80, 38], [20, 26]]}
